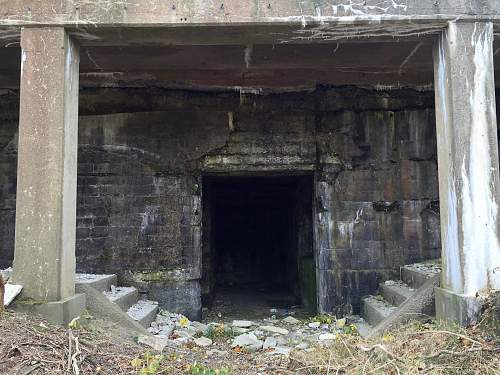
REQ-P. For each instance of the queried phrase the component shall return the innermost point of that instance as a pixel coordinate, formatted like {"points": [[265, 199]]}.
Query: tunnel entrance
{"points": [[258, 242]]}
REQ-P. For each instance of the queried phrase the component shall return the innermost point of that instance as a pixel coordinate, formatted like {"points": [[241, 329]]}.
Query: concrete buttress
{"points": [[468, 169], [44, 261]]}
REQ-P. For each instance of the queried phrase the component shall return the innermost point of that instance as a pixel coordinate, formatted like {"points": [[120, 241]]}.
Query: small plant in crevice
{"points": [[199, 369], [219, 332], [350, 329], [148, 364], [322, 318]]}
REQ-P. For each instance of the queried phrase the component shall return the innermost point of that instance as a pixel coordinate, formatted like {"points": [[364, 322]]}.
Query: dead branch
{"points": [[446, 333], [381, 347], [461, 353]]}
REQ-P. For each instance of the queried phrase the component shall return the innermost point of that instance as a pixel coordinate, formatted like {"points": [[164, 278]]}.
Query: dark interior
{"points": [[258, 235]]}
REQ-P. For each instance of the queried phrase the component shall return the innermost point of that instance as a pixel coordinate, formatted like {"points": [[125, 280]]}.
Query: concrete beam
{"points": [[468, 169], [44, 259], [160, 12]]}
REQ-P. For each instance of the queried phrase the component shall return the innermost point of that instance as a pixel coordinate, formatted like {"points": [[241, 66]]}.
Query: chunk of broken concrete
{"points": [[291, 320], [203, 341], [273, 329], [166, 331], [248, 341], [270, 343], [155, 342], [11, 292], [314, 325], [327, 337], [242, 323], [240, 331], [185, 332]]}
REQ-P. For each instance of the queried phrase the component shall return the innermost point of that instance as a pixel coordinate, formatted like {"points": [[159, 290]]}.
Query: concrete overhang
{"points": [[152, 13], [257, 67], [270, 45]]}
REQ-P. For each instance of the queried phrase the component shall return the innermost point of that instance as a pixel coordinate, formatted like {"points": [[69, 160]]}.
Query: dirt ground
{"points": [[30, 345]]}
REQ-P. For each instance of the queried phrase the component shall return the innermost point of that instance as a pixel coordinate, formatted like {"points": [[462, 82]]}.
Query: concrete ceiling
{"points": [[278, 67]]}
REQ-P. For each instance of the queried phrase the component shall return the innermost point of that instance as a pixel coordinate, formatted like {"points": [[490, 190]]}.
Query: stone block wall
{"points": [[143, 152], [9, 114], [379, 197]]}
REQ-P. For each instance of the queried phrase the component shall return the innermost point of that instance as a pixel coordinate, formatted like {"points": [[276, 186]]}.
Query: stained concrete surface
{"points": [[140, 189]]}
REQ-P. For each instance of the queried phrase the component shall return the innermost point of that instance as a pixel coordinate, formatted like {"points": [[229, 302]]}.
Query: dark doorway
{"points": [[258, 240]]}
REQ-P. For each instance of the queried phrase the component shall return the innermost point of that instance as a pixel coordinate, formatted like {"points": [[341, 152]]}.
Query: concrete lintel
{"points": [[468, 165], [457, 308], [159, 12], [44, 256], [58, 312]]}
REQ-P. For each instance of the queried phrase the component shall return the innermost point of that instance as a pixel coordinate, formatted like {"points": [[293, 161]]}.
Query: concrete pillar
{"points": [[44, 258], [469, 186]]}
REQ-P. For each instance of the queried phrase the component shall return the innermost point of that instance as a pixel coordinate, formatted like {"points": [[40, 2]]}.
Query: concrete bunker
{"points": [[359, 115], [258, 241]]}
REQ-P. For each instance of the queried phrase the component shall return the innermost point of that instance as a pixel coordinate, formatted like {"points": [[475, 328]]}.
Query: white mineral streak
{"points": [[148, 217], [68, 63], [359, 213], [23, 59], [451, 254], [360, 8], [248, 55], [346, 230], [479, 217]]}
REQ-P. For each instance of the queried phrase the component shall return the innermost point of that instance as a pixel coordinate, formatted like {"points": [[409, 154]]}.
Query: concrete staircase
{"points": [[374, 308], [392, 293], [127, 298]]}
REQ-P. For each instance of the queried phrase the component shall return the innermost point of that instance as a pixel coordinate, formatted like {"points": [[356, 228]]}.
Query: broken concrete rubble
{"points": [[203, 341], [273, 329], [248, 341], [276, 339], [291, 320], [242, 323]]}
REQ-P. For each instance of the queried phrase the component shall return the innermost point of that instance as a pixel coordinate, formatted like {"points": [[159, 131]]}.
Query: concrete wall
{"points": [[139, 179]]}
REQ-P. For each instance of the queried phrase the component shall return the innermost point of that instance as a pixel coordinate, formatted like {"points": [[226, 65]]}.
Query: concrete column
{"points": [[469, 186], [44, 260]]}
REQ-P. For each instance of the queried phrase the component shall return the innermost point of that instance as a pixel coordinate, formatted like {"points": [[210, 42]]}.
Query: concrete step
{"points": [[374, 310], [415, 275], [100, 282], [123, 296], [395, 292], [364, 329], [144, 312]]}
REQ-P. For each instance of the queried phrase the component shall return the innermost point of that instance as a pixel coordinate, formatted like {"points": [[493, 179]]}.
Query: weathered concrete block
{"points": [[182, 297], [457, 308], [58, 312]]}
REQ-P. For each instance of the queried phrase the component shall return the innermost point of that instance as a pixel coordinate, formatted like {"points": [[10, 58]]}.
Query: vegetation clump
{"points": [[219, 332]]}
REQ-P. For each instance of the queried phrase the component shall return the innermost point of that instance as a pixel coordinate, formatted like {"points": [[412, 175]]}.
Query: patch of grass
{"points": [[219, 332], [350, 329], [430, 347], [199, 369], [322, 318], [148, 364]]}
